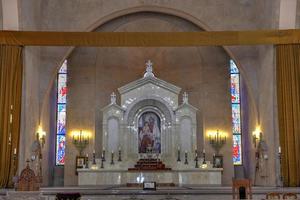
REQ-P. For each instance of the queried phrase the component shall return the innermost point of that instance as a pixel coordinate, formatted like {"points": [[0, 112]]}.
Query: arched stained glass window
{"points": [[61, 114], [236, 114]]}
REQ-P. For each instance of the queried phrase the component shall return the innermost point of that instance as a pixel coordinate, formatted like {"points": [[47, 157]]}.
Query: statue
{"points": [[36, 149], [185, 97]]}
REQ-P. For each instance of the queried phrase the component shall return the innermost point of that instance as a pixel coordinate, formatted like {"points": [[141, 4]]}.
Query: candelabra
{"points": [[80, 140], [112, 158], [217, 141], [186, 158], [178, 155]]}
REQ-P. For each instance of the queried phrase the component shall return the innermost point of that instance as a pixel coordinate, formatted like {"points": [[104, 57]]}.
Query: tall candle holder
{"points": [[178, 155], [196, 160], [120, 155], [94, 158], [87, 161], [280, 162], [112, 158], [186, 158], [103, 153], [203, 153], [102, 161]]}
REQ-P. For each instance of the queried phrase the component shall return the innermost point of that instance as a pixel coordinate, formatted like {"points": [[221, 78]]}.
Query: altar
{"points": [[150, 136]]}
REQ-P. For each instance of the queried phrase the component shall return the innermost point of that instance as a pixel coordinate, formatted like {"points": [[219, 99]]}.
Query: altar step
{"points": [[149, 164]]}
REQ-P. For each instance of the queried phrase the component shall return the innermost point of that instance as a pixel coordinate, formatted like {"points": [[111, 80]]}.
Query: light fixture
{"points": [[40, 136], [80, 140], [217, 140], [256, 136]]}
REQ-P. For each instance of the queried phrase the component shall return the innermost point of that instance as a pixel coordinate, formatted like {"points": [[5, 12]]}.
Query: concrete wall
{"points": [[82, 15]]}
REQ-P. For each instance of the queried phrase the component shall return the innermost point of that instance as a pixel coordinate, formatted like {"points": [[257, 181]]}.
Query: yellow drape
{"points": [[288, 94], [149, 39], [10, 109]]}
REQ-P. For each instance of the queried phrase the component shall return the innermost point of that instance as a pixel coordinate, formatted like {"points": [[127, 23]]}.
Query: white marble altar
{"points": [[150, 122], [210, 176]]}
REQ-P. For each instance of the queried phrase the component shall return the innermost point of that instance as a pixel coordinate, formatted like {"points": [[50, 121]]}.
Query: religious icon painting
{"points": [[149, 129], [218, 161]]}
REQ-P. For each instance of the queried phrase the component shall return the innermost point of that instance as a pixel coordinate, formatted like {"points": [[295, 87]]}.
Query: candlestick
{"points": [[186, 158], [178, 155], [204, 161], [87, 161], [94, 158], [15, 151], [196, 164], [120, 156], [102, 160], [103, 152], [112, 158]]}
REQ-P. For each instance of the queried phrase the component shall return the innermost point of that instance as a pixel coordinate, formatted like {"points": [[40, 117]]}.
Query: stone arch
{"points": [[154, 9], [152, 102]]}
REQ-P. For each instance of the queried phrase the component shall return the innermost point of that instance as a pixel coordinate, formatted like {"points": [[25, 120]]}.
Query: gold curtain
{"points": [[288, 94], [10, 110], [149, 39]]}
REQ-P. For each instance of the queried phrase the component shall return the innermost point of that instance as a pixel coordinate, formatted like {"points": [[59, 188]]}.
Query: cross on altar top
{"points": [[113, 98], [149, 69]]}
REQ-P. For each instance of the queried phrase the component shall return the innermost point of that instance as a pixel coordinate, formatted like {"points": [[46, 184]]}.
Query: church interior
{"points": [[150, 99]]}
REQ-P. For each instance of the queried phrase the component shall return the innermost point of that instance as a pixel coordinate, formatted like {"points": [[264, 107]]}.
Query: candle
{"points": [[87, 155], [119, 148], [94, 151], [279, 149], [203, 150], [15, 151], [178, 148]]}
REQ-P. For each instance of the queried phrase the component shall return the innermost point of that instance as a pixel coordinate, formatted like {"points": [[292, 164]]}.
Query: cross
{"points": [[185, 97], [149, 69], [113, 98], [149, 66]]}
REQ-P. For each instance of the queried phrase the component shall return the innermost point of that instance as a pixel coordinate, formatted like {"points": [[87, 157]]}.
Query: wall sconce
{"points": [[217, 140], [40, 136], [80, 140], [256, 136]]}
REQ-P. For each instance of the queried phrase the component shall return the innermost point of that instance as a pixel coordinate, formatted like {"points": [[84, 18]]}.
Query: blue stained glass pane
{"points": [[60, 149], [61, 119], [233, 67], [237, 149], [62, 88], [235, 88], [63, 68], [236, 118]]}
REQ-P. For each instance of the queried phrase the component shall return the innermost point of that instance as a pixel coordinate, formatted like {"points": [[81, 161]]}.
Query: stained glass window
{"points": [[237, 149], [61, 114], [236, 113]]}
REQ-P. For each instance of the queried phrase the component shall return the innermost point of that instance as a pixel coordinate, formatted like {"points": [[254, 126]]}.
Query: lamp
{"points": [[80, 140], [217, 140], [40, 136], [256, 136]]}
